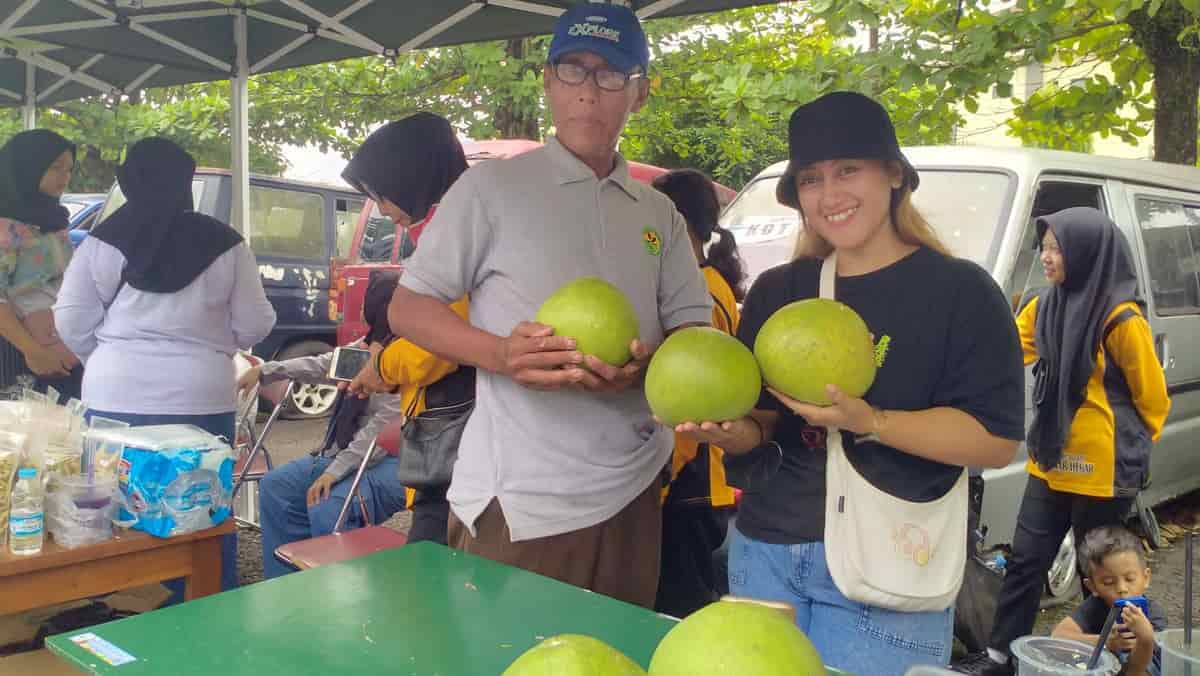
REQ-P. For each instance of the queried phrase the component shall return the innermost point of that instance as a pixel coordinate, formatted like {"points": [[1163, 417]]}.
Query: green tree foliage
{"points": [[1140, 59]]}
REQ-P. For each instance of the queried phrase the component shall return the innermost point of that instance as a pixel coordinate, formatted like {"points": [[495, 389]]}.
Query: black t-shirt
{"points": [[950, 340], [1091, 614]]}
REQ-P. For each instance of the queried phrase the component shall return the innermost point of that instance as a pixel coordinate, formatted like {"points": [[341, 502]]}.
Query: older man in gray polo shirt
{"points": [[560, 463]]}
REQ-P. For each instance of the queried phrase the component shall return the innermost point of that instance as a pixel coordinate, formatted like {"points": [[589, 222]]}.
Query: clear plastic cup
{"points": [[1176, 658], [1048, 656]]}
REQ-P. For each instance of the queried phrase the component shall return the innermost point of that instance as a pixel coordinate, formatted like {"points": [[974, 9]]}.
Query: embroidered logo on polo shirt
{"points": [[653, 241]]}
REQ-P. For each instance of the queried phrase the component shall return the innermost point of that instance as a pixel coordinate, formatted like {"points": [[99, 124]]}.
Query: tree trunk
{"points": [[510, 119], [1176, 81]]}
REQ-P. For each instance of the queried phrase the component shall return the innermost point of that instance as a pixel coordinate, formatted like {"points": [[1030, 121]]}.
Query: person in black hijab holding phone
{"points": [[406, 167], [1100, 403], [35, 167]]}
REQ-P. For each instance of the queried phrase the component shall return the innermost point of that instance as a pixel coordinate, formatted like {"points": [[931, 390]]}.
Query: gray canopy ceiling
{"points": [[57, 50]]}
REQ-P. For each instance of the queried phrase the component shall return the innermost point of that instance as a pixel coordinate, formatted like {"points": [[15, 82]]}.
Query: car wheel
{"points": [[1062, 580], [1148, 523], [308, 400]]}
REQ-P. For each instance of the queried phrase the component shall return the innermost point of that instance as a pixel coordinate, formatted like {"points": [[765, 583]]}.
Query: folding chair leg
{"points": [[258, 443], [362, 468]]}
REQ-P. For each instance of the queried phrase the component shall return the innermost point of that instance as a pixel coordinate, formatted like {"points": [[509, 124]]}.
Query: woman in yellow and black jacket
{"points": [[1101, 401], [406, 167], [698, 503]]}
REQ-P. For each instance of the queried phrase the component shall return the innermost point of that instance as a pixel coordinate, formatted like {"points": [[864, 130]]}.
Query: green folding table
{"points": [[420, 609]]}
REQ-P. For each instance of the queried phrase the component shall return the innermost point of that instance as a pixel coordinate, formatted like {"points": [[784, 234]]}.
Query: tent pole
{"points": [[239, 111], [29, 107]]}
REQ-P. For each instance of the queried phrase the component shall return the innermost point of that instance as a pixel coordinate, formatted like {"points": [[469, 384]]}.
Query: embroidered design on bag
{"points": [[912, 542], [652, 241]]}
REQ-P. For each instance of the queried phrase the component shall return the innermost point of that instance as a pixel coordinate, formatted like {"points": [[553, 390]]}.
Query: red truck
{"points": [[378, 244]]}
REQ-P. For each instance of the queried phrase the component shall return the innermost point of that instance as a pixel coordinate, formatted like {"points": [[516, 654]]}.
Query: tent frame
{"points": [[325, 27]]}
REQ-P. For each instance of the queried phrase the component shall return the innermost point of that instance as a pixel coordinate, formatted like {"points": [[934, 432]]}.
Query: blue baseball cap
{"points": [[612, 31]]}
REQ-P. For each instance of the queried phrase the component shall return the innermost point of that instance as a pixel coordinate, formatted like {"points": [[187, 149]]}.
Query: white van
{"points": [[983, 202]]}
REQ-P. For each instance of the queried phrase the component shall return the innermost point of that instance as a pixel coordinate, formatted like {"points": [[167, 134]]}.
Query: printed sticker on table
{"points": [[111, 654]]}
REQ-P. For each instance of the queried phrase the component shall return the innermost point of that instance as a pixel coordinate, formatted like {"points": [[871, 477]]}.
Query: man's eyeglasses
{"points": [[606, 78]]}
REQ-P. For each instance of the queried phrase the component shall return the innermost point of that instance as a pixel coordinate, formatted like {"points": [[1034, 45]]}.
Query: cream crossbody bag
{"points": [[884, 551]]}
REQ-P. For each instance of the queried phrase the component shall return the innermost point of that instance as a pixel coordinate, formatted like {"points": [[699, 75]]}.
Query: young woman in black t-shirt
{"points": [[947, 393]]}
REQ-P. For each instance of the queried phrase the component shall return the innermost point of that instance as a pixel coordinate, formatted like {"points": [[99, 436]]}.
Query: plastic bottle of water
{"points": [[25, 519]]}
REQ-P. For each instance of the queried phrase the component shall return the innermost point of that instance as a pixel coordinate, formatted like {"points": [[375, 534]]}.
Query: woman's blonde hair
{"points": [[910, 225]]}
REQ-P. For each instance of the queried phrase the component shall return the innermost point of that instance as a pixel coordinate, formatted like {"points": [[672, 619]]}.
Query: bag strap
{"points": [[724, 312], [829, 277], [1127, 313], [412, 407]]}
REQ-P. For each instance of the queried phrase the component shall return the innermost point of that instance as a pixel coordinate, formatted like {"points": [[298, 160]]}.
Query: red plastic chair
{"points": [[339, 546]]}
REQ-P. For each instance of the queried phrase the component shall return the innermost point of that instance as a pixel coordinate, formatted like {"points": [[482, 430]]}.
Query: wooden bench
{"points": [[131, 559]]}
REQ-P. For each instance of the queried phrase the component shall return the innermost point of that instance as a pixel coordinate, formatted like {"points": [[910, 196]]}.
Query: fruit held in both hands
{"points": [[812, 343], [699, 374], [573, 655], [596, 314], [736, 639]]}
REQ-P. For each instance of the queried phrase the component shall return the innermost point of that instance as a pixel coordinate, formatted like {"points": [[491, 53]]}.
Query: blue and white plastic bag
{"points": [[173, 479]]}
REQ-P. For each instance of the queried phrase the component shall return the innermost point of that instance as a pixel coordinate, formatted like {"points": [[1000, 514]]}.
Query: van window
{"points": [[1171, 232], [287, 223], [379, 238], [966, 208], [1027, 278], [116, 199], [346, 215]]}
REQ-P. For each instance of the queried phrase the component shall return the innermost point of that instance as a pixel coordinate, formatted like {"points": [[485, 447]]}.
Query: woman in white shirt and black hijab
{"points": [[157, 300]]}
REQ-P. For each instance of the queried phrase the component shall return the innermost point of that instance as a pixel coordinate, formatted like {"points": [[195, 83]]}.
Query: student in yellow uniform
{"points": [[1101, 401], [406, 167], [698, 503]]}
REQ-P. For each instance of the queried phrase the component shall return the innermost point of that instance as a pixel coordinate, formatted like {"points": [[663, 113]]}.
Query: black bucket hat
{"points": [[839, 125]]}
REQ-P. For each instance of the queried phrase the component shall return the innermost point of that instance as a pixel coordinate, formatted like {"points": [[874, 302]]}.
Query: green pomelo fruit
{"points": [[596, 314], [736, 639], [699, 374], [573, 655], [812, 343]]}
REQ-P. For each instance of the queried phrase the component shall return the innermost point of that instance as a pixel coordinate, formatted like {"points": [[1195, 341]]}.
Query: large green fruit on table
{"points": [[812, 343], [700, 374], [596, 314], [730, 638], [573, 655]]}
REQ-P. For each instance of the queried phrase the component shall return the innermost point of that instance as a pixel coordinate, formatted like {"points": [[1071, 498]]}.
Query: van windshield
{"points": [[967, 208]]}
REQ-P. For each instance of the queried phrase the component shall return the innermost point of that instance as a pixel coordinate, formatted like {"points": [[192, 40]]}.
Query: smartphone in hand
{"points": [[347, 362]]}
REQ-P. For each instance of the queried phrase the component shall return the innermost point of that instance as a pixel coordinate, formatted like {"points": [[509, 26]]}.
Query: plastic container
{"points": [[1047, 656], [172, 479], [1176, 659], [80, 512], [26, 518]]}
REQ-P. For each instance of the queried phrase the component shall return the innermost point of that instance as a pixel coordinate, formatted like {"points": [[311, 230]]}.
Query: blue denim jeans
{"points": [[850, 636], [218, 424], [286, 516]]}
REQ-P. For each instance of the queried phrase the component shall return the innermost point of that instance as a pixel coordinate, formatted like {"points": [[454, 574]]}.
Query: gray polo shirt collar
{"points": [[570, 169]]}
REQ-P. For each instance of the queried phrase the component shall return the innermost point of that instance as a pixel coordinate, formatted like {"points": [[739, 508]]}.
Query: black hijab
{"points": [[1070, 321], [348, 411], [375, 306], [411, 162], [23, 162], [166, 244]]}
